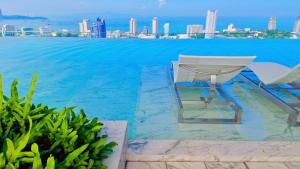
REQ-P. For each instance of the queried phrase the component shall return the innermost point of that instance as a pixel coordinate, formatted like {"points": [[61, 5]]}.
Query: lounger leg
{"points": [[293, 119], [210, 97], [212, 89], [180, 115], [233, 104], [293, 113]]}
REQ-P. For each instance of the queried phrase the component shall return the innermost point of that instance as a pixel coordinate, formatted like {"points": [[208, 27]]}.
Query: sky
{"points": [[244, 8]]}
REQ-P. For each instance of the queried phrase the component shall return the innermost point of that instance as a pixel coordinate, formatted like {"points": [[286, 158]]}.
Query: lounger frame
{"points": [[287, 107], [229, 100]]}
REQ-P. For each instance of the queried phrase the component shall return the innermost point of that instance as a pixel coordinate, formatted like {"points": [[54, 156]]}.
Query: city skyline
{"points": [[150, 7], [192, 31], [88, 28]]}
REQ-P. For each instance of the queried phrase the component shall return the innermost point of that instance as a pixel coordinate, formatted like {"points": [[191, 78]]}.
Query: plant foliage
{"points": [[38, 137]]}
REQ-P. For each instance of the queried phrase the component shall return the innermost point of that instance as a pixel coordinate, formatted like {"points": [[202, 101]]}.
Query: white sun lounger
{"points": [[272, 74], [212, 70]]}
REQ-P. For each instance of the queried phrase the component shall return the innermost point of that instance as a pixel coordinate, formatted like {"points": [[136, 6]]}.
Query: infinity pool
{"points": [[129, 80]]}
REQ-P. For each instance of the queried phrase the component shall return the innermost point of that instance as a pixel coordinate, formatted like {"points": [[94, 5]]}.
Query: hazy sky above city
{"points": [[151, 7]]}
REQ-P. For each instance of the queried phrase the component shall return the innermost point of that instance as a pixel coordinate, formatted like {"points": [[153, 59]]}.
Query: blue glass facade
{"points": [[101, 28]]}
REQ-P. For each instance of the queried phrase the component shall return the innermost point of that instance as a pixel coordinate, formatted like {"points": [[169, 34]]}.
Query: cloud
{"points": [[162, 2]]}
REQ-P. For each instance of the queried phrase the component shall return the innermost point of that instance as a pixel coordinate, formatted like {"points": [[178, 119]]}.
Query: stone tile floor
{"points": [[212, 165], [175, 154]]}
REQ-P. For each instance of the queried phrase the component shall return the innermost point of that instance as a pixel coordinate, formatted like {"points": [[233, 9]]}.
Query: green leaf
{"points": [[10, 166], [72, 156], [26, 160], [59, 119], [37, 162], [64, 126], [2, 160], [24, 139], [14, 90], [73, 139], [72, 134], [97, 128], [91, 163], [38, 116], [38, 109], [9, 149], [30, 94], [50, 163], [24, 154]]}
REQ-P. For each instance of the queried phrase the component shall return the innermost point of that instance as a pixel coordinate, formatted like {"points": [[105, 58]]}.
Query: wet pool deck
{"points": [[168, 154], [212, 165], [197, 154]]}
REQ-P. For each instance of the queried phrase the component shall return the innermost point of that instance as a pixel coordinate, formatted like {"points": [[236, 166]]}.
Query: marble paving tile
{"points": [[197, 151], [117, 131], [146, 165], [266, 165], [185, 165], [221, 165], [293, 165]]}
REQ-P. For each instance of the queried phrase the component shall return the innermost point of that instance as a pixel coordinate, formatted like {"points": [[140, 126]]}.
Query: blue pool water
{"points": [[127, 79]]}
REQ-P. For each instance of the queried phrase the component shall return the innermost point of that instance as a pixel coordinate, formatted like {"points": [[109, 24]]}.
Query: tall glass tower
{"points": [[101, 28], [0, 13]]}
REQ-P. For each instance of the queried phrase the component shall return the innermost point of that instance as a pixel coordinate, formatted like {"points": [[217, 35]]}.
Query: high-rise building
{"points": [[155, 26], [94, 29], [272, 24], [81, 29], [8, 30], [210, 28], [297, 26], [101, 28], [194, 29], [85, 27], [145, 30], [166, 29], [132, 29], [231, 29]]}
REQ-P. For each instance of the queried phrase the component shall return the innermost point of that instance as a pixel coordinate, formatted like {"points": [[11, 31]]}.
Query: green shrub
{"points": [[35, 136]]}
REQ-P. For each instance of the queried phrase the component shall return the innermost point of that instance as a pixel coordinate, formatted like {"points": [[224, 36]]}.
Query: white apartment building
{"points": [[272, 25], [194, 29], [166, 29], [155, 26], [132, 29], [210, 28]]}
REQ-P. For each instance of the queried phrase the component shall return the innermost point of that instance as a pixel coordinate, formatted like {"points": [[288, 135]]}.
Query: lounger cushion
{"points": [[203, 68], [274, 73]]}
